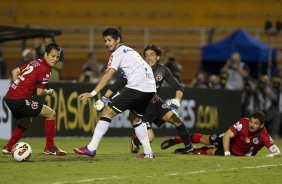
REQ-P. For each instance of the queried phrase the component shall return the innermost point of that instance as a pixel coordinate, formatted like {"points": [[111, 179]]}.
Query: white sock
{"points": [[142, 134], [100, 130]]}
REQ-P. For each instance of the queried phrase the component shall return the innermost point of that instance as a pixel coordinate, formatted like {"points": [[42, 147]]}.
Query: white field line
{"points": [[170, 174]]}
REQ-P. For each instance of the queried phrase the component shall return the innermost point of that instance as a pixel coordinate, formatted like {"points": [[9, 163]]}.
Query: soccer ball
{"points": [[21, 151]]}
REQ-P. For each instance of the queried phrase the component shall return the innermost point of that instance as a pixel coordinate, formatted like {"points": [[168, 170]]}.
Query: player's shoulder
{"points": [[244, 120], [122, 50]]}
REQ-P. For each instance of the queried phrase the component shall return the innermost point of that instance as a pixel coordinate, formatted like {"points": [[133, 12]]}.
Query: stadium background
{"points": [[182, 26]]}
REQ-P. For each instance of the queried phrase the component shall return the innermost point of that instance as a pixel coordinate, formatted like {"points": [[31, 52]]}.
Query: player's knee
{"points": [[51, 114], [176, 120]]}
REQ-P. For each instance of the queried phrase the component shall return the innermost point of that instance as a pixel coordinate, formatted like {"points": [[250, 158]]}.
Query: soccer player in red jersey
{"points": [[244, 138], [31, 79]]}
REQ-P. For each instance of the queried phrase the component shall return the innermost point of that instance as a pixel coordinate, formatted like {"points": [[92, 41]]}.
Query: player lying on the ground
{"points": [[244, 138], [157, 112]]}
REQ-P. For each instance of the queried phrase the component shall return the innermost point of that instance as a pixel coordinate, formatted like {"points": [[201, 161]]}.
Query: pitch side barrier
{"points": [[202, 110]]}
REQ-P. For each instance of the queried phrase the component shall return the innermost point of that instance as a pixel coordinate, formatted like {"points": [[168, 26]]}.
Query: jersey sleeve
{"points": [[171, 80], [114, 61], [237, 127], [43, 77], [266, 139]]}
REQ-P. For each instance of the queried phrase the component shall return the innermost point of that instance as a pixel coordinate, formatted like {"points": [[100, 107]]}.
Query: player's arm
{"points": [[171, 80], [226, 141], [15, 73], [101, 103], [104, 80], [275, 152], [41, 91]]}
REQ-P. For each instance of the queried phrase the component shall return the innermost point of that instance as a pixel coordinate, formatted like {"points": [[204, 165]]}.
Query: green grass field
{"points": [[115, 164]]}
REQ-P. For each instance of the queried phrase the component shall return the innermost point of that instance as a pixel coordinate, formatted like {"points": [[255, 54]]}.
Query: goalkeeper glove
{"points": [[174, 103], [101, 103]]}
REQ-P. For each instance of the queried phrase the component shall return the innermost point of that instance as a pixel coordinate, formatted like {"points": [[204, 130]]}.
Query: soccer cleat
{"points": [[54, 151], [5, 150], [84, 151], [168, 143], [151, 155], [134, 148], [189, 150]]}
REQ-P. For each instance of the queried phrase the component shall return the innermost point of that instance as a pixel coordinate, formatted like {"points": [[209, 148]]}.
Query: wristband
{"points": [[93, 93], [227, 153]]}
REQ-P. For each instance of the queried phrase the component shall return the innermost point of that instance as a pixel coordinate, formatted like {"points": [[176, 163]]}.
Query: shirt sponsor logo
{"points": [[127, 50]]}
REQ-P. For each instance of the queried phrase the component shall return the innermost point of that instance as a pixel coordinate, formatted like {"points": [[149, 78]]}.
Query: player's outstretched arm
{"points": [[275, 152], [15, 73], [40, 91], [226, 142], [104, 80]]}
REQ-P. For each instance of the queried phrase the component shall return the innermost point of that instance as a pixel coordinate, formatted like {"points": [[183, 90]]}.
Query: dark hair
{"points": [[52, 46], [154, 48], [259, 115], [113, 32]]}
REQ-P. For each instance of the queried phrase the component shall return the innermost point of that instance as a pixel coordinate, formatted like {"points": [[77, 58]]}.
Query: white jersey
{"points": [[138, 73]]}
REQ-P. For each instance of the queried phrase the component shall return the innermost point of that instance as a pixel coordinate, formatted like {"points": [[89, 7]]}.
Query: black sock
{"points": [[184, 134], [136, 141]]}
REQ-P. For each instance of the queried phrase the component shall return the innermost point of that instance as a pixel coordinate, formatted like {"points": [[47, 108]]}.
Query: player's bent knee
{"points": [[176, 120]]}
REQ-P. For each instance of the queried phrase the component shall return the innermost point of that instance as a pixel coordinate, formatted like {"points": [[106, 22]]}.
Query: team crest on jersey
{"points": [[34, 105], [247, 140], [159, 77], [213, 137], [255, 140]]}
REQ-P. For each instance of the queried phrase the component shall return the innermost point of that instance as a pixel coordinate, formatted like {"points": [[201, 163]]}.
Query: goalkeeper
{"points": [[158, 112]]}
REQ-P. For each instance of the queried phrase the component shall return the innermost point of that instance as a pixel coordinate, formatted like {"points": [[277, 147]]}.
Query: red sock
{"points": [[50, 132], [203, 150], [16, 136], [178, 140], [195, 138]]}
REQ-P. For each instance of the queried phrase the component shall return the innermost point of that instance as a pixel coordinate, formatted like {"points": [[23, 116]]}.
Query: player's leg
{"points": [[141, 133], [195, 138], [17, 134], [22, 110], [50, 131], [174, 119], [138, 109], [135, 143], [99, 131]]}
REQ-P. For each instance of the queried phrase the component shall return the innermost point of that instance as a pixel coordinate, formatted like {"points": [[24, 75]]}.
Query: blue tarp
{"points": [[252, 51]]}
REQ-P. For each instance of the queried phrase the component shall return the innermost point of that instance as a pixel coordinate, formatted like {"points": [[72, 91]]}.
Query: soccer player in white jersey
{"points": [[135, 97]]}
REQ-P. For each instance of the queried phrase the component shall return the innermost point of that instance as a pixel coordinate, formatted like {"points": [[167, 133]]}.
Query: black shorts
{"points": [[155, 111], [22, 108], [216, 140], [131, 99]]}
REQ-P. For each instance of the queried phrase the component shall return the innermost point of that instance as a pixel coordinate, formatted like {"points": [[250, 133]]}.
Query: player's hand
{"points": [[174, 103], [84, 96], [49, 92], [101, 103]]}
